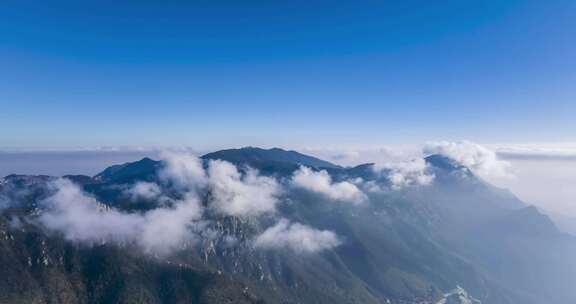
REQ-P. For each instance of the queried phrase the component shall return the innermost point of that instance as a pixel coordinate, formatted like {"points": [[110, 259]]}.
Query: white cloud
{"points": [[80, 217], [232, 192], [407, 173], [297, 237], [164, 229], [321, 182], [477, 158], [183, 170], [241, 195], [143, 190]]}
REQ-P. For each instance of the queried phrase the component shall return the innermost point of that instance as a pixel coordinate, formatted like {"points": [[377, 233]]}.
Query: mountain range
{"points": [[452, 238]]}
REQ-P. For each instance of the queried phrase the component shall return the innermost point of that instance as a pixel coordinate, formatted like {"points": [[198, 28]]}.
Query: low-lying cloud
{"points": [[232, 192], [143, 191], [477, 158], [321, 182], [182, 171], [560, 152], [407, 173], [296, 237], [80, 217], [241, 195]]}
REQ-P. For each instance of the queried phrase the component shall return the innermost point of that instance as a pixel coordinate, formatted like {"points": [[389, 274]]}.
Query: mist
{"points": [[547, 183]]}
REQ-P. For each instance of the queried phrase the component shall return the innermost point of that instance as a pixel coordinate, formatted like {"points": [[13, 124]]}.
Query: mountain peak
{"points": [[268, 159], [443, 162], [125, 172]]}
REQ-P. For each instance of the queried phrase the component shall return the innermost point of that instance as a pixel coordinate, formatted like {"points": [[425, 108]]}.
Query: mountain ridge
{"points": [[403, 247]]}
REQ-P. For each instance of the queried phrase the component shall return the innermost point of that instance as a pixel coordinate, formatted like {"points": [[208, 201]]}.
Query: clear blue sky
{"points": [[202, 73]]}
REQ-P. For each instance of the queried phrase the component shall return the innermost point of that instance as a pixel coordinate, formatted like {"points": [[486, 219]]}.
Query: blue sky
{"points": [[229, 73]]}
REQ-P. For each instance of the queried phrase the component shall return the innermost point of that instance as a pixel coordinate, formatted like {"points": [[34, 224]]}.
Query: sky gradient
{"points": [[281, 73]]}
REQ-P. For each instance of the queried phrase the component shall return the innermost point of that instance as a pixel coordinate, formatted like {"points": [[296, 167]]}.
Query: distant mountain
{"points": [[142, 169], [273, 160], [457, 240], [269, 161]]}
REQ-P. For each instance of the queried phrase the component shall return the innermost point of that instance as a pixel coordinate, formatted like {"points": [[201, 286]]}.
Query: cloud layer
{"points": [[561, 152]]}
